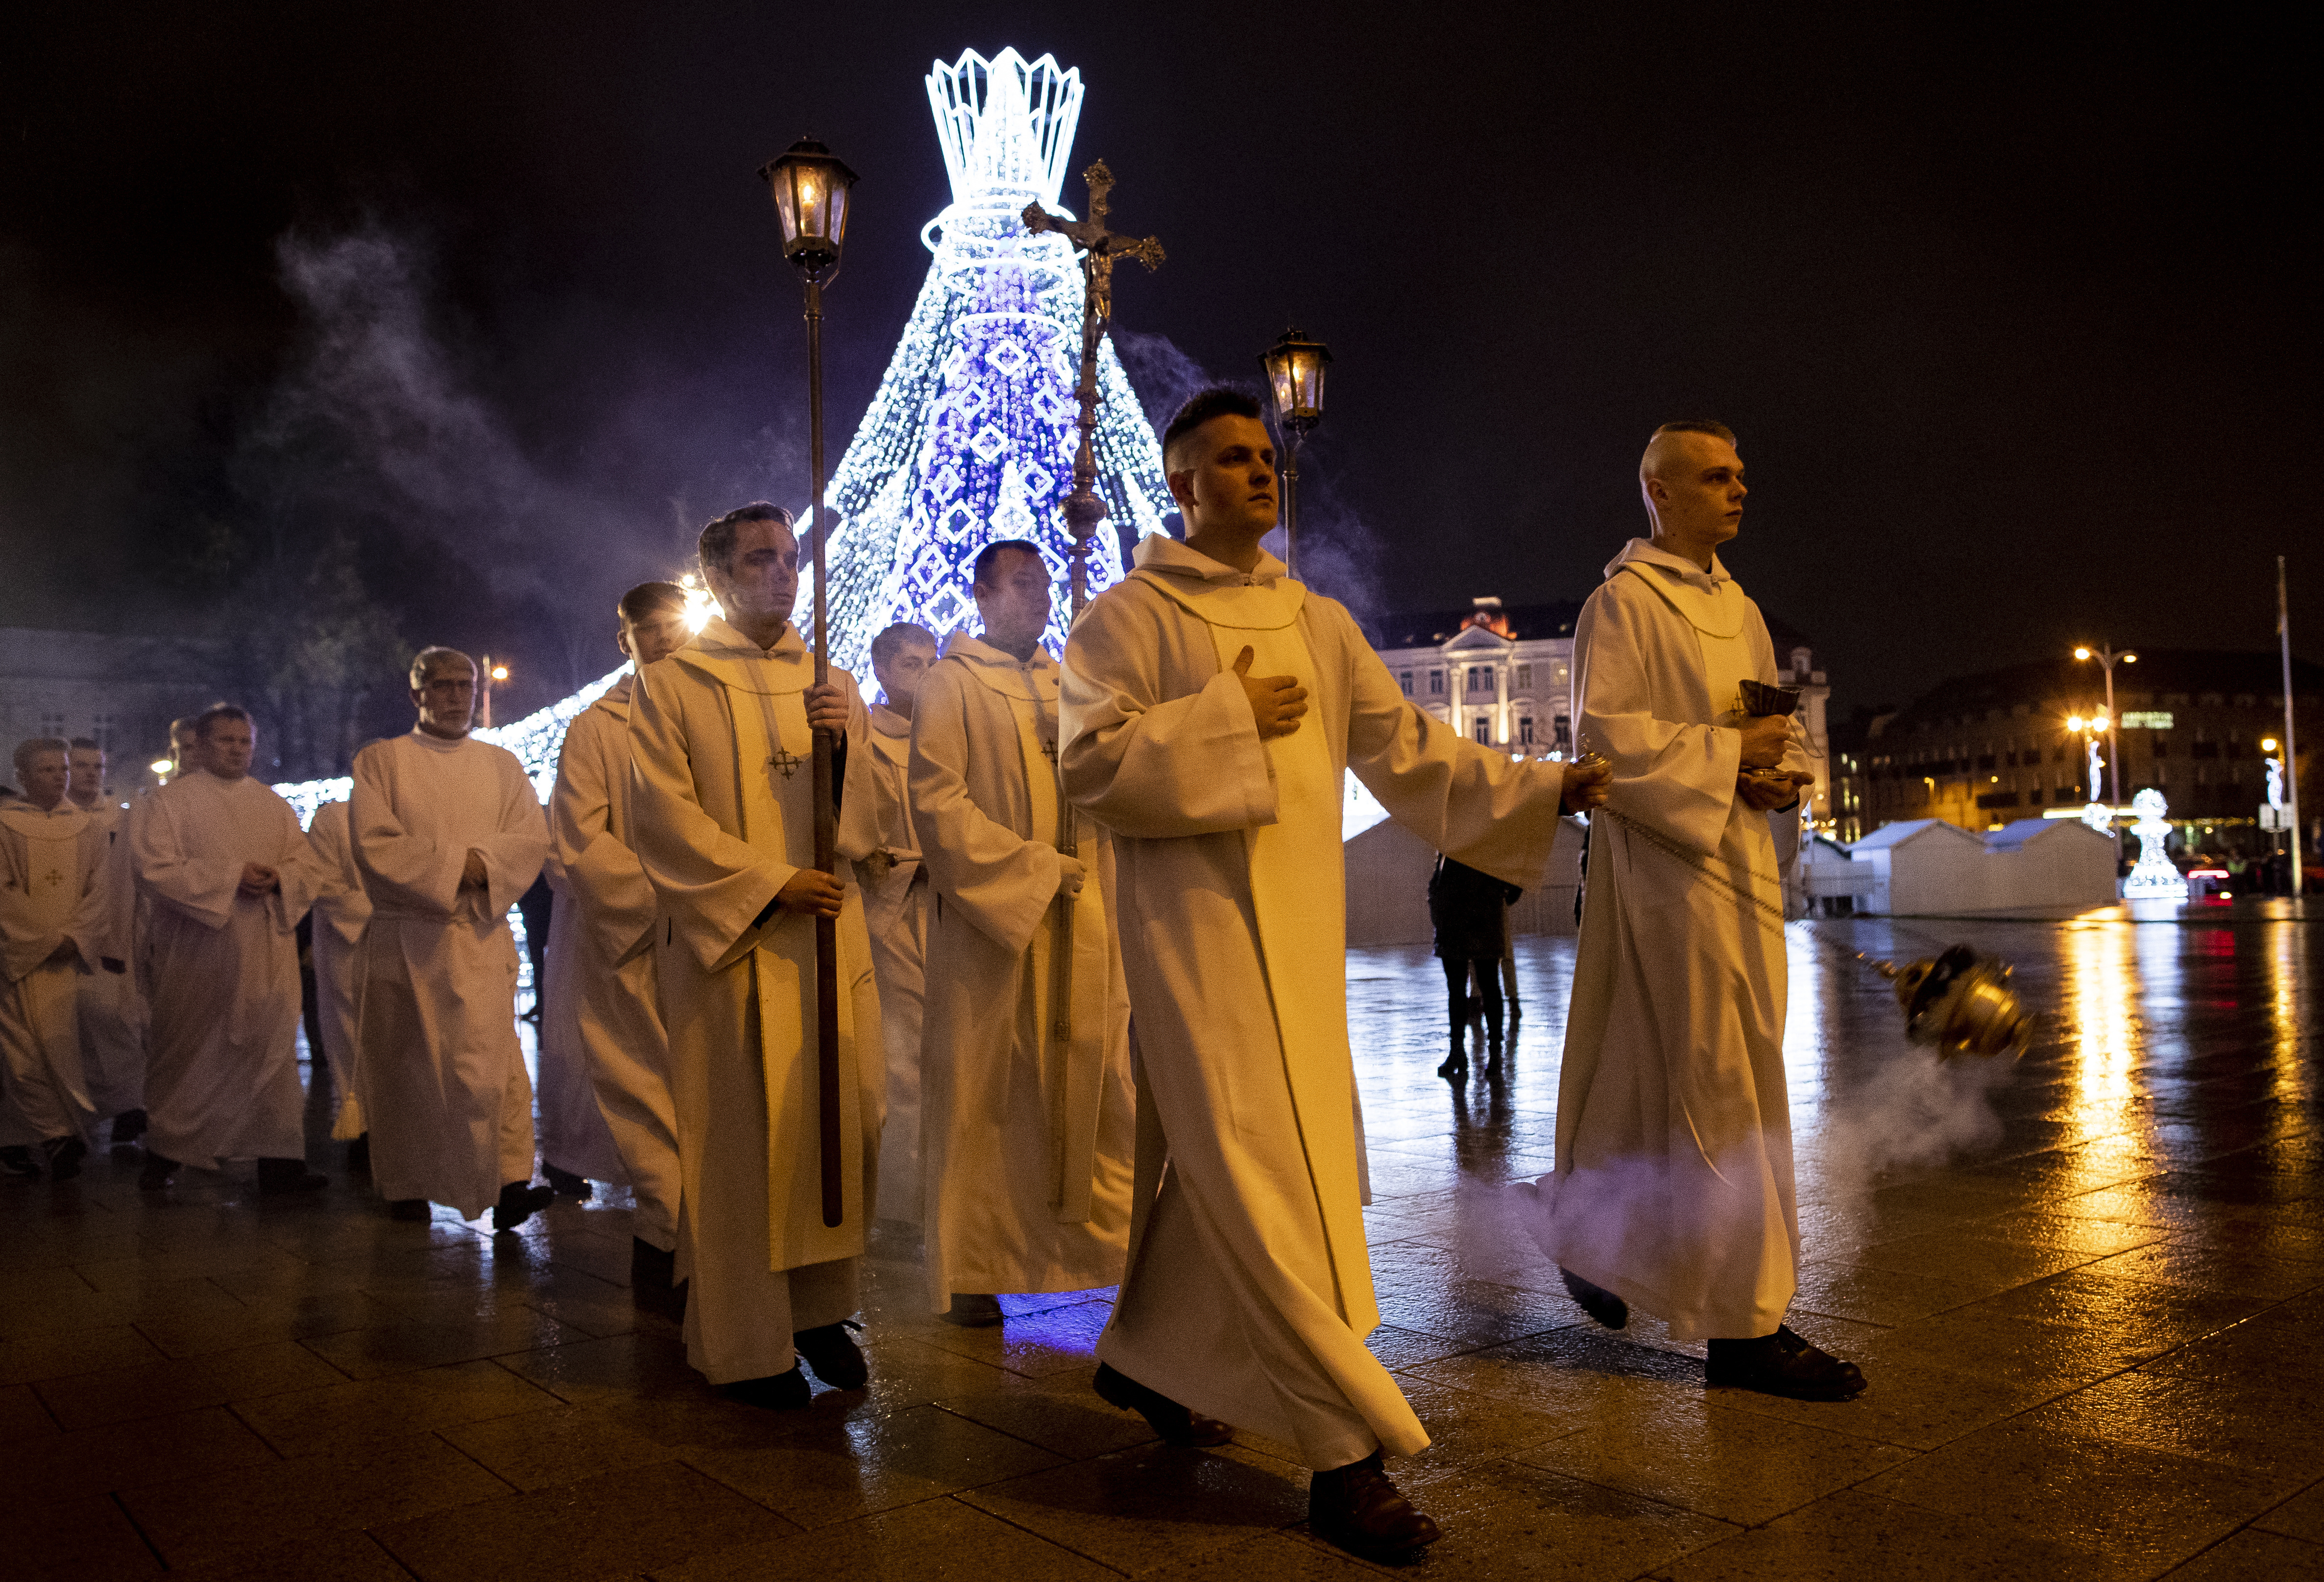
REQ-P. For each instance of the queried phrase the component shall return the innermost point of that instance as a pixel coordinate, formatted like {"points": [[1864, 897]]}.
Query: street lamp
{"points": [[2107, 658], [810, 188], [1295, 372], [486, 674]]}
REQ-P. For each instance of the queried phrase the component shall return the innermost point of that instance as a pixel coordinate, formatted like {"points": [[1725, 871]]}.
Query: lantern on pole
{"points": [[810, 188], [1294, 374]]}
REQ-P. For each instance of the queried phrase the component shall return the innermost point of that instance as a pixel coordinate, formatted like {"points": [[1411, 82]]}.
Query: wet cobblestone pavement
{"points": [[2087, 1292]]}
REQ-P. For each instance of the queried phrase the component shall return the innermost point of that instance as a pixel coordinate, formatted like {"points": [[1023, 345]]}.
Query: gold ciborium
{"points": [[1960, 1003]]}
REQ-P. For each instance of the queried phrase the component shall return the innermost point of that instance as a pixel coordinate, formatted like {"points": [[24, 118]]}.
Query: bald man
{"points": [[1673, 1190]]}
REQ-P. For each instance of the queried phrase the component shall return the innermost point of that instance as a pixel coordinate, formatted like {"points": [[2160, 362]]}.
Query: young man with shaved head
{"points": [[226, 871], [1674, 1188], [1211, 709], [1028, 1119], [723, 792], [875, 833], [448, 831], [606, 1109]]}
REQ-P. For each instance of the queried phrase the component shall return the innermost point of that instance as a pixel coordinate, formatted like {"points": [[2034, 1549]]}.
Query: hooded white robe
{"points": [[875, 833], [1249, 1291], [722, 791], [342, 913], [602, 1004], [1674, 1182], [51, 889], [113, 1015], [1028, 1145], [440, 1072], [223, 1077]]}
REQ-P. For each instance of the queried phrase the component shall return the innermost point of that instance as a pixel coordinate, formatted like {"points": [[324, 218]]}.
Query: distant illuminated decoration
{"points": [[971, 436], [2153, 878], [2147, 719]]}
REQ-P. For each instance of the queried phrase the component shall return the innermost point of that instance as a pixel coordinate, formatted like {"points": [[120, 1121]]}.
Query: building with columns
{"points": [[1503, 675]]}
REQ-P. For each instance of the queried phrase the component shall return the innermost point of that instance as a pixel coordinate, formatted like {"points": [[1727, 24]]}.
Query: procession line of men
{"points": [[1092, 1020]]}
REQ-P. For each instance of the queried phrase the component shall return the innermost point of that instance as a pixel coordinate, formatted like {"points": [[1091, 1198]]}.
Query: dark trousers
{"points": [[1458, 971]]}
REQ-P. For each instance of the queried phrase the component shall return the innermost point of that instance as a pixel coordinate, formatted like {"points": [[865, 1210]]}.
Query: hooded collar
{"points": [[1159, 551], [1262, 598], [49, 823], [616, 699], [1711, 601], [726, 655], [1035, 680], [887, 722]]}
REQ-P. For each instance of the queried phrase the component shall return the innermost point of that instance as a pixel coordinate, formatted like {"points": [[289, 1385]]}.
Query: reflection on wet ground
{"points": [[2088, 1291]]}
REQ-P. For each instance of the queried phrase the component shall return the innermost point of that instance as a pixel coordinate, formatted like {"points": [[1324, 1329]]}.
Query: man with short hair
{"points": [[1027, 1124], [225, 865], [875, 833], [448, 833], [605, 1108], [56, 929], [113, 1015], [722, 789], [1211, 706], [1674, 1188]]}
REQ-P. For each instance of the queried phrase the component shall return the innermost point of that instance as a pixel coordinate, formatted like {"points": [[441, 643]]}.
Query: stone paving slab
{"points": [[2093, 1315]]}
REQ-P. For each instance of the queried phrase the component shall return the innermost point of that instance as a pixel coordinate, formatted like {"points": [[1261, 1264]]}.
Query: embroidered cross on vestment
{"points": [[786, 761]]}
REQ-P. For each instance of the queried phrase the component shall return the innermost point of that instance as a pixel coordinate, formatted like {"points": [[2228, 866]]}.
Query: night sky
{"points": [[2013, 314]]}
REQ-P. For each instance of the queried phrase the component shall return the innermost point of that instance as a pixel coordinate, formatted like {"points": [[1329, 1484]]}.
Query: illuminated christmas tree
{"points": [[971, 436]]}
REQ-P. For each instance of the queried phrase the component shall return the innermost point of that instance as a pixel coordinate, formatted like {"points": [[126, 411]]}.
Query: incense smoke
{"points": [[1912, 1111]]}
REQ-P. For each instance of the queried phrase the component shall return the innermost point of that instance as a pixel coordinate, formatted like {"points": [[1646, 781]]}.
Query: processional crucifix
{"points": [[1083, 509]]}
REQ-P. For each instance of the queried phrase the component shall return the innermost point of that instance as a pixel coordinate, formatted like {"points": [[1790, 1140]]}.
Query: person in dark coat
{"points": [[1469, 911]]}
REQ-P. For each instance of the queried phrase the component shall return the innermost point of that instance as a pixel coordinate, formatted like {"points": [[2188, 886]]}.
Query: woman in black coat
{"points": [[1468, 912]]}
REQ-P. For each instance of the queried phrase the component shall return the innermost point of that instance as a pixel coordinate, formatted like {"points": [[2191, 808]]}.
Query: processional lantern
{"points": [[810, 188], [1294, 374]]}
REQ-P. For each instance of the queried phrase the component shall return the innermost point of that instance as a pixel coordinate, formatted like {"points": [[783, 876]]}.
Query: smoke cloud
{"points": [[1912, 1111]]}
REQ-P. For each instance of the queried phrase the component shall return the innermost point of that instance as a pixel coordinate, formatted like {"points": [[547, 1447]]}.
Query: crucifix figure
{"points": [[787, 762], [1098, 247]]}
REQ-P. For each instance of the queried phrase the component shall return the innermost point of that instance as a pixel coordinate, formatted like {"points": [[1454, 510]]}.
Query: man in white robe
{"points": [[607, 1111], [112, 1010], [721, 792], [1187, 689], [342, 912], [56, 930], [448, 832], [875, 833], [223, 864], [1028, 1126], [1674, 1185]]}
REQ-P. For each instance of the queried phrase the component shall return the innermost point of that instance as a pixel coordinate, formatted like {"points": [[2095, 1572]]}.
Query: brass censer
{"points": [[1960, 1003]]}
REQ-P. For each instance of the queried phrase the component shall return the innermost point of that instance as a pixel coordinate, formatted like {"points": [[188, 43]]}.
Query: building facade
{"points": [[121, 692], [1503, 675], [1983, 750]]}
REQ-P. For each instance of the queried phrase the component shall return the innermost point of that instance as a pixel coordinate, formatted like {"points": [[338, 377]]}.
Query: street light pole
{"points": [[2291, 741], [2108, 657], [810, 189], [1294, 373]]}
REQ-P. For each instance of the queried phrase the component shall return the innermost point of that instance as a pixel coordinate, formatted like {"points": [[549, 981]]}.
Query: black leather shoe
{"points": [[775, 1392], [64, 1156], [414, 1209], [1455, 1067], [1782, 1364], [972, 1312], [1599, 1303], [156, 1174], [1175, 1423], [832, 1352], [566, 1184], [284, 1177], [128, 1126], [519, 1201], [1361, 1510], [17, 1160]]}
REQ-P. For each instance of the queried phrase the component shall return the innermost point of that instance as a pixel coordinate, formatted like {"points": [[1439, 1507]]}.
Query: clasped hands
{"points": [[1765, 740], [258, 880]]}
